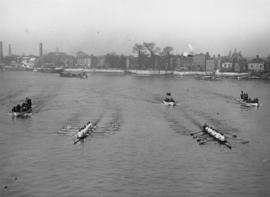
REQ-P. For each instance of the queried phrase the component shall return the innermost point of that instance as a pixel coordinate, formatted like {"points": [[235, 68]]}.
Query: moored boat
{"points": [[74, 74]]}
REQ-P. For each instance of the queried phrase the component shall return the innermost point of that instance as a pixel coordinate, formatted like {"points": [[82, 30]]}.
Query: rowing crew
{"points": [[214, 134], [244, 97], [26, 106], [83, 131], [168, 97], [217, 135]]}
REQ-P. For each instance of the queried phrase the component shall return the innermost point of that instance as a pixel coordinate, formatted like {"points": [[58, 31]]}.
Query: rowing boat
{"points": [[251, 104], [216, 135], [84, 132], [169, 103], [26, 113]]}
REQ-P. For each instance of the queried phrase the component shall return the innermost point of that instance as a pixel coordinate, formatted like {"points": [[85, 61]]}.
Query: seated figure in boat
{"points": [[16, 108], [256, 100], [242, 94], [28, 102], [245, 96], [204, 126], [168, 97], [27, 105]]}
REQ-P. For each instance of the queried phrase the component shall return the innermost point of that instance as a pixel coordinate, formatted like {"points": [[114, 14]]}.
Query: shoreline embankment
{"points": [[157, 72]]}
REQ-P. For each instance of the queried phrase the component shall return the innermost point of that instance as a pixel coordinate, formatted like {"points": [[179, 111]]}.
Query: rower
{"points": [[242, 94], [13, 109], [168, 97], [18, 108], [28, 102], [256, 100]]}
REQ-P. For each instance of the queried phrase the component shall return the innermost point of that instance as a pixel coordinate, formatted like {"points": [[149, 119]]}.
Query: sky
{"points": [[102, 26]]}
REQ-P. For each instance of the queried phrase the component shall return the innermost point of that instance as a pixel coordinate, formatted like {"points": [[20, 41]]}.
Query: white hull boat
{"points": [[170, 103]]}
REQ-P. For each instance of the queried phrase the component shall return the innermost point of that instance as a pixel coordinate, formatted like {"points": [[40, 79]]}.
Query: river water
{"points": [[140, 147]]}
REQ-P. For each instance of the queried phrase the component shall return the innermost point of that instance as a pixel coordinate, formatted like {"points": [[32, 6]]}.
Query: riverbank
{"points": [[158, 72], [235, 75]]}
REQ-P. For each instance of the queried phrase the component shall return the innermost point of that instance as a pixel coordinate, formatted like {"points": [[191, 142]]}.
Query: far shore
{"points": [[157, 72]]}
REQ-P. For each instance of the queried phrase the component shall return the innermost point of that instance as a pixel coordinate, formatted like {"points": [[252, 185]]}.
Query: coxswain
{"points": [[28, 102], [242, 94], [18, 108], [168, 97], [24, 107], [13, 109], [256, 100]]}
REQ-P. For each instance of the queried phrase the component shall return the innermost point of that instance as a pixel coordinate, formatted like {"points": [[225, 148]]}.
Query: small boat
{"points": [[84, 131], [169, 103], [74, 74], [249, 104], [22, 114], [208, 77], [216, 135]]}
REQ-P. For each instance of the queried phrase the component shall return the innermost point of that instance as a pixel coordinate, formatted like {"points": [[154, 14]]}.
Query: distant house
{"points": [[56, 59], [185, 63], [199, 62], [83, 60], [101, 62], [28, 62], [226, 66], [240, 66], [210, 65], [256, 65], [177, 62], [237, 67]]}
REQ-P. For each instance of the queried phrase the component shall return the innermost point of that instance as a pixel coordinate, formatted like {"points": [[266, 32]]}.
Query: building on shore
{"points": [[198, 62], [210, 65], [56, 59], [83, 60], [257, 65], [101, 62], [1, 49], [9, 50], [185, 63], [40, 49], [226, 65]]}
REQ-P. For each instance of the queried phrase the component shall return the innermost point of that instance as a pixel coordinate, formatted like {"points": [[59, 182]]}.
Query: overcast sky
{"points": [[99, 27]]}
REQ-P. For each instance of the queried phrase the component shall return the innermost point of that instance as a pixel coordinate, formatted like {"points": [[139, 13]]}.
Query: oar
{"points": [[231, 135], [192, 134], [203, 138], [75, 142], [201, 143], [228, 145]]}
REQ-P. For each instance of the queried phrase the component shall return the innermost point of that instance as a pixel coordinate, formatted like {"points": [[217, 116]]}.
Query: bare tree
{"points": [[152, 49], [140, 51], [166, 52]]}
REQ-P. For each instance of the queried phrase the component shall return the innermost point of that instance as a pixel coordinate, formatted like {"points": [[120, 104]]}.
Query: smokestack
{"points": [[9, 50], [127, 63], [1, 49], [40, 49]]}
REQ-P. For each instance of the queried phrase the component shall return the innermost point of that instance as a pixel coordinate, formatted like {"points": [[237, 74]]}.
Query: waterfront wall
{"points": [[156, 72]]}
